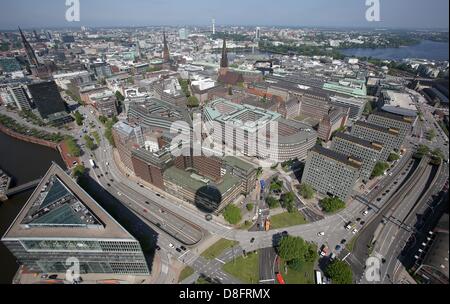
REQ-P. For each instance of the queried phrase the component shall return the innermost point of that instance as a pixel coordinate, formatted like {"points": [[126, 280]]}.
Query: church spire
{"points": [[224, 60], [166, 54], [29, 50]]}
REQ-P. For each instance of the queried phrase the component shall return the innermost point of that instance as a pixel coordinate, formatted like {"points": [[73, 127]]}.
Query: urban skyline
{"points": [[322, 13]]}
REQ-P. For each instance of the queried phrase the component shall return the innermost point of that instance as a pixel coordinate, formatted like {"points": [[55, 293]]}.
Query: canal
{"points": [[24, 162]]}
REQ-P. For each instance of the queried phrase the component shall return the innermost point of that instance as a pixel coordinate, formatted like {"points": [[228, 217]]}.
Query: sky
{"points": [[301, 13]]}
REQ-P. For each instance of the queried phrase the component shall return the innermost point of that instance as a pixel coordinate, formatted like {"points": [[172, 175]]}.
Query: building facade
{"points": [[368, 152], [390, 137], [331, 173]]}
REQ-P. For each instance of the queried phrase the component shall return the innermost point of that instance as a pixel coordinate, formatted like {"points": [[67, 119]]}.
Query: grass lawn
{"points": [[185, 273], [304, 276], [215, 250], [287, 219], [245, 269], [351, 244]]}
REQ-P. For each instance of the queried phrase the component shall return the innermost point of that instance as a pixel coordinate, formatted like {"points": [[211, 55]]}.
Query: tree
{"points": [[78, 118], [287, 201], [232, 214], [295, 248], [422, 151], [393, 157], [339, 272], [276, 185], [89, 143], [250, 207], [306, 191], [379, 169], [431, 135], [272, 202], [193, 102], [332, 204], [78, 171]]}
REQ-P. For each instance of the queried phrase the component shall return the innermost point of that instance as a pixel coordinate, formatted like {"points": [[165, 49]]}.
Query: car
{"points": [[44, 276], [252, 240], [321, 234], [183, 248], [349, 226], [284, 233], [145, 210], [343, 242], [358, 219], [171, 245], [365, 212], [363, 223], [53, 277], [208, 217], [355, 231], [324, 251], [338, 247], [158, 195], [178, 250], [111, 180], [158, 248], [109, 185]]}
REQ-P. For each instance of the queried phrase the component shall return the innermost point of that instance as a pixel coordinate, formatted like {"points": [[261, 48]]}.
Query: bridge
{"points": [[22, 188]]}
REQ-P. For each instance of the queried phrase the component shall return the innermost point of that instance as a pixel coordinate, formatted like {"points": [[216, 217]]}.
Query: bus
{"points": [[319, 280]]}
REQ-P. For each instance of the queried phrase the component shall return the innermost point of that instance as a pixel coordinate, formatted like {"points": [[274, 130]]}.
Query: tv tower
{"points": [[213, 26]]}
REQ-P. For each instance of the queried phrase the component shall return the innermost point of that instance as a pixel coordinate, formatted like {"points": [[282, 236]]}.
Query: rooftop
{"points": [[194, 183], [59, 208], [359, 141], [367, 125], [339, 157], [236, 162]]}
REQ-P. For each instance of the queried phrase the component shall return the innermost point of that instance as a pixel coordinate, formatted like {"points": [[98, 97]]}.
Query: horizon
{"points": [[177, 13]]}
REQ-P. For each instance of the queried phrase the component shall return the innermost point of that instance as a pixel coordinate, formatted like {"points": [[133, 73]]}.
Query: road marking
{"points": [[181, 256], [220, 261], [346, 256]]}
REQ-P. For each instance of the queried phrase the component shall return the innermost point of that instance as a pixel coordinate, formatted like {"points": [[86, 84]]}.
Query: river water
{"points": [[25, 162], [429, 50]]}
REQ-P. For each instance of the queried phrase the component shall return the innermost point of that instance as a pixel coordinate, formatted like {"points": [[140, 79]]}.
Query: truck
{"points": [[92, 162]]}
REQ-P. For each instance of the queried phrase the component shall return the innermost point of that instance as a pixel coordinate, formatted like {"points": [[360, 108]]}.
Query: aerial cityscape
{"points": [[220, 142]]}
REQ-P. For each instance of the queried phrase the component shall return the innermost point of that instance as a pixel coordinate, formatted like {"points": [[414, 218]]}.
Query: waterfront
{"points": [[25, 162], [429, 50]]}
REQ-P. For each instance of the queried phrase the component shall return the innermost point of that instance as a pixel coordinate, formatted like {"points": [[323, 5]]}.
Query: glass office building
{"points": [[61, 221]]}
